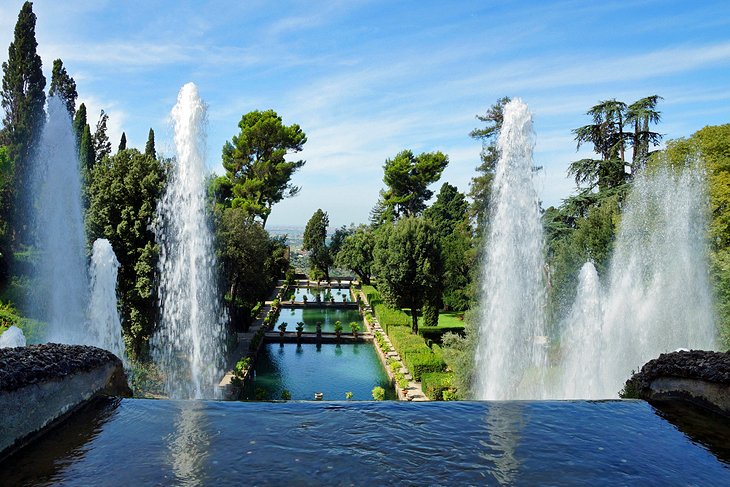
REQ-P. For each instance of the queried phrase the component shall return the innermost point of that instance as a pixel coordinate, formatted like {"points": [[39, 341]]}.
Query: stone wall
{"points": [[42, 384], [699, 377]]}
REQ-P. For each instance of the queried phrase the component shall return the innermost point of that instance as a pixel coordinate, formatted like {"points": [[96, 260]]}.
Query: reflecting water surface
{"points": [[147, 442], [306, 369]]}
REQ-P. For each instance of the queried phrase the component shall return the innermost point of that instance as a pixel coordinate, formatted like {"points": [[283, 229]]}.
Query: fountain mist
{"points": [[61, 285], [188, 346], [105, 327], [510, 357], [658, 298]]}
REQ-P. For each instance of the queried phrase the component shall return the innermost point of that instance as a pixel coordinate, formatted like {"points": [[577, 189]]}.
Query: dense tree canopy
{"points": [[407, 258], [356, 253], [255, 164], [407, 178], [123, 194], [315, 241]]}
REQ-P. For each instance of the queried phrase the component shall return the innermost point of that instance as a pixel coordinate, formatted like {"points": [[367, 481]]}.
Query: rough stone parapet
{"points": [[697, 376], [40, 385], [23, 366]]}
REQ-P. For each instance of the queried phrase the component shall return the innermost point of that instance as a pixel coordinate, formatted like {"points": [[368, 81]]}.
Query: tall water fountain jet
{"points": [[61, 283], [511, 357], [188, 346], [105, 326], [582, 343], [659, 297]]}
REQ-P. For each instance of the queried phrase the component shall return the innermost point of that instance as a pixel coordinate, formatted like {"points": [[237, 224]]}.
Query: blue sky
{"points": [[367, 79]]}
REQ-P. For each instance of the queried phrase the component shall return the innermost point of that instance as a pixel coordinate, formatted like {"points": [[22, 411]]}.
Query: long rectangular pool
{"points": [[306, 369], [312, 315]]}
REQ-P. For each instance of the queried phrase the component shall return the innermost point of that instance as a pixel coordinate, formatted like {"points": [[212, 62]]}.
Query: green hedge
{"points": [[436, 333], [386, 315], [435, 383], [422, 363]]}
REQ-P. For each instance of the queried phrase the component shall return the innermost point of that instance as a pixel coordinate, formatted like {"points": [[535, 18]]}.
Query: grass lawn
{"points": [[447, 319]]}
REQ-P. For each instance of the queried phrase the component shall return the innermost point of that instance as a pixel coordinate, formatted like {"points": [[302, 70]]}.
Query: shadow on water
{"points": [[44, 461], [701, 426]]}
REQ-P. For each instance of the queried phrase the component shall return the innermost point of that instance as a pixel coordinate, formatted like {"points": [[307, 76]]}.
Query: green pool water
{"points": [[312, 315], [330, 369], [325, 294]]}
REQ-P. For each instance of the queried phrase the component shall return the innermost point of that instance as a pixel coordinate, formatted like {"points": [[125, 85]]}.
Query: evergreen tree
{"points": [[255, 162], [86, 149], [449, 209], [63, 86], [315, 237], [102, 146], [123, 193], [80, 121], [356, 253], [481, 184], [408, 265], [23, 98], [407, 178], [122, 142], [149, 148]]}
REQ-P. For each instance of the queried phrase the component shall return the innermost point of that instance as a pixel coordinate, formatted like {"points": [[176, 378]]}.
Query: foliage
{"points": [[434, 384], [123, 194], [348, 396], [23, 98], [315, 237], [421, 363], [449, 209], [286, 395], [378, 393], [458, 352], [355, 327], [250, 260], [407, 178], [256, 168], [122, 142], [63, 86], [356, 253], [609, 139], [408, 264], [102, 146], [149, 147], [338, 326], [481, 185]]}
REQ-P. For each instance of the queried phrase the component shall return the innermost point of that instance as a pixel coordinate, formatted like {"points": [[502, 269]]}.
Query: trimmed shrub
{"points": [[434, 384], [422, 363]]}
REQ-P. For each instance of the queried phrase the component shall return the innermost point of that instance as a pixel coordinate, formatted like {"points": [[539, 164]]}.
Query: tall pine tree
{"points": [[23, 98], [123, 142], [63, 86]]}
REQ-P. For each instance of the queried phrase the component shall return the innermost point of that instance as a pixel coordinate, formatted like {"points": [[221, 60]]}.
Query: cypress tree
{"points": [[149, 148], [23, 98], [86, 149], [123, 142], [63, 86], [80, 122]]}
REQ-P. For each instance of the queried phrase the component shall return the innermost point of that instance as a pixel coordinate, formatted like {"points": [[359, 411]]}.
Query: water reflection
{"points": [[505, 422], [46, 459], [699, 425], [188, 445]]}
